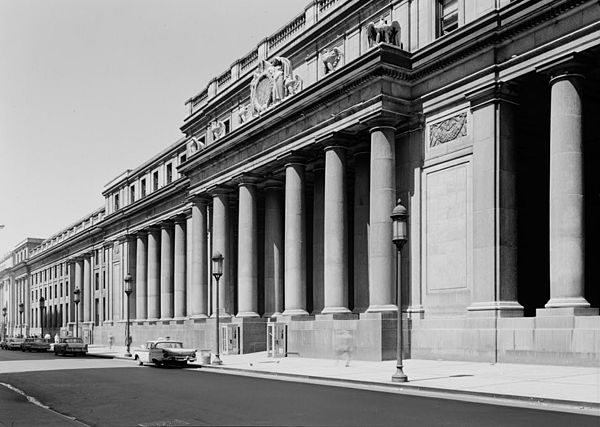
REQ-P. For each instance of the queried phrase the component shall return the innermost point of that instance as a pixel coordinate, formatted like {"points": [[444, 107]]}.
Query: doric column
{"points": [[295, 240], [141, 283], [199, 249], [153, 273], [335, 231], [494, 202], [382, 254], [247, 252], [567, 231], [361, 235], [180, 267], [87, 294], [273, 249], [318, 254], [166, 271], [220, 242]]}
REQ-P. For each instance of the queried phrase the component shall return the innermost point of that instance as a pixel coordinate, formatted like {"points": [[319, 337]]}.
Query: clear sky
{"points": [[90, 88]]}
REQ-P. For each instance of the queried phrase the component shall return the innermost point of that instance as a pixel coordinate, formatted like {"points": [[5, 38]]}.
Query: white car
{"points": [[163, 352]]}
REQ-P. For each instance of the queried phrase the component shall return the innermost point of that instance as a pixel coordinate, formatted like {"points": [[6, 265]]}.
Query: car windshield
{"points": [[73, 340], [171, 344]]}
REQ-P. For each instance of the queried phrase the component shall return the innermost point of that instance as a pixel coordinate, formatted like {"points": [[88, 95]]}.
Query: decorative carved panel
{"points": [[448, 130]]}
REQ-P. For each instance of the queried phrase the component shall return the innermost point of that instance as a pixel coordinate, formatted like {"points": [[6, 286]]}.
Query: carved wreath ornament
{"points": [[448, 130]]}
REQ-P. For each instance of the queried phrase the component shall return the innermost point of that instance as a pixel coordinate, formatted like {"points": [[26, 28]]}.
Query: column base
{"points": [[500, 308], [576, 302], [567, 311], [198, 316], [247, 314], [221, 315], [415, 312], [373, 308], [335, 310], [295, 312], [337, 316]]}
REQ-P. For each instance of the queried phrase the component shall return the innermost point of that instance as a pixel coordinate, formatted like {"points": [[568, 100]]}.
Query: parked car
{"points": [[70, 345], [14, 343], [165, 352], [35, 344]]}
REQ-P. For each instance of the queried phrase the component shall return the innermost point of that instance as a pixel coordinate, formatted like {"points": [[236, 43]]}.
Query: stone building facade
{"points": [[477, 115]]}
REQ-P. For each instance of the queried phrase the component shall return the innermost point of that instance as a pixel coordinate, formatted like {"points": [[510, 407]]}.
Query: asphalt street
{"points": [[130, 396]]}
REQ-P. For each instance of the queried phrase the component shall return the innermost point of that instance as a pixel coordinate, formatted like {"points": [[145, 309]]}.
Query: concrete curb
{"points": [[558, 403], [448, 393]]}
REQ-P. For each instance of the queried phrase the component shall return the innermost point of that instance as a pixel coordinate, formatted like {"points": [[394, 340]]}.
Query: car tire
{"points": [[139, 361]]}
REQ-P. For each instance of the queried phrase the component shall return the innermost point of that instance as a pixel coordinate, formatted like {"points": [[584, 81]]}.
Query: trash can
{"points": [[205, 357]]}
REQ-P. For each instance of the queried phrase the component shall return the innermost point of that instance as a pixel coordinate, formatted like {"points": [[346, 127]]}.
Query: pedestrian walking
{"points": [[111, 339]]}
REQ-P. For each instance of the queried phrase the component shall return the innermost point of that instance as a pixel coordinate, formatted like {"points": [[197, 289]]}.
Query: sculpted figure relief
{"points": [[382, 32], [331, 59], [273, 81], [217, 128]]}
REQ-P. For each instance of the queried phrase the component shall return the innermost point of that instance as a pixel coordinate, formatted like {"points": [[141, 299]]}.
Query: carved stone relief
{"points": [[448, 130], [382, 32], [217, 128], [273, 82], [195, 145], [331, 58]]}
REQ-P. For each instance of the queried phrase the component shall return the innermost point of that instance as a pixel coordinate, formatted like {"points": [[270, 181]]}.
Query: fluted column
{"points": [[221, 244], [335, 232], [141, 268], [318, 249], [247, 250], [295, 240], [567, 228], [199, 249], [86, 297], [166, 271], [180, 268], [153, 273], [383, 199], [273, 249], [361, 235]]}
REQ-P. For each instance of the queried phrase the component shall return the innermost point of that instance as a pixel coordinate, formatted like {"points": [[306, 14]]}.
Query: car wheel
{"points": [[139, 361]]}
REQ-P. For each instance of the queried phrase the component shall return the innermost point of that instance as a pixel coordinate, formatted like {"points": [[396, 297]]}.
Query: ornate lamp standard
{"points": [[4, 328], [42, 301], [128, 279], [217, 272], [399, 237], [21, 308], [76, 299]]}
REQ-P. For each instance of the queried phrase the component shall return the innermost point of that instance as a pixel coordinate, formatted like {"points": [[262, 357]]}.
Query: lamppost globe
{"points": [[128, 289], [399, 237], [217, 272]]}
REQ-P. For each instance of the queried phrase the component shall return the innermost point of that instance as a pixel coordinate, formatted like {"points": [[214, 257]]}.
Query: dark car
{"points": [[35, 344], [14, 343]]}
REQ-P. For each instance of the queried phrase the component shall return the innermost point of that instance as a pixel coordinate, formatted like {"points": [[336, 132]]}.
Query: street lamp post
{"points": [[21, 308], [4, 328], [217, 271], [399, 237], [128, 279], [76, 299], [42, 301]]}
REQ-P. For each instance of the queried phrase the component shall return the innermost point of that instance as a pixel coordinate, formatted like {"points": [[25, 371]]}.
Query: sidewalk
{"points": [[541, 386]]}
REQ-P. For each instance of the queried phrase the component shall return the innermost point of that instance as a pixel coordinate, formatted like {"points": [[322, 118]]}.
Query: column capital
{"points": [[382, 119], [272, 184], [572, 65], [218, 190], [141, 234], [247, 178], [493, 93], [293, 158], [200, 198], [180, 219], [167, 224], [333, 139]]}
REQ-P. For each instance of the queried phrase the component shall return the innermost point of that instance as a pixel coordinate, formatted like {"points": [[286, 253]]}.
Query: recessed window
{"points": [[447, 16], [227, 126], [116, 202], [169, 173], [132, 193], [155, 181], [183, 159], [143, 188]]}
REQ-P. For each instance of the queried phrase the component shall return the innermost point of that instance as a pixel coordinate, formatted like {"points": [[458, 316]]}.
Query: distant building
{"points": [[477, 115]]}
